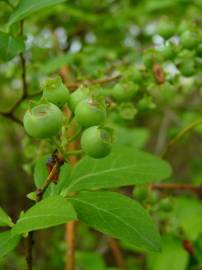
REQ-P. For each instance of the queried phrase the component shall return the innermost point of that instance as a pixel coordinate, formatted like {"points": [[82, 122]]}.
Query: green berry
{"points": [[165, 205], [43, 121], [124, 91], [189, 40], [89, 113], [187, 68], [80, 94], [141, 193], [166, 29], [55, 91], [96, 141]]}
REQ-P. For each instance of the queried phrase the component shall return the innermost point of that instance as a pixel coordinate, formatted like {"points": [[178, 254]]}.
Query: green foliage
{"points": [[119, 216], [52, 211]]}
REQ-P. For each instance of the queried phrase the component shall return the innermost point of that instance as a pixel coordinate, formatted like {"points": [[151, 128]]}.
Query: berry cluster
{"points": [[45, 119]]}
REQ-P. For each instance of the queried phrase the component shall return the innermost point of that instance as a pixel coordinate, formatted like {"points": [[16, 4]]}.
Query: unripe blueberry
{"points": [[80, 94], [165, 205], [96, 141], [141, 193], [55, 91], [187, 68], [124, 91], [189, 40], [89, 113], [43, 121], [166, 29]]}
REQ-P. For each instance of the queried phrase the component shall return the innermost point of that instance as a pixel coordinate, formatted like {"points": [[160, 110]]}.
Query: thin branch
{"points": [[117, 253], [102, 81], [178, 187], [23, 75], [70, 233], [50, 178], [158, 73], [11, 113], [30, 244], [11, 117], [179, 136]]}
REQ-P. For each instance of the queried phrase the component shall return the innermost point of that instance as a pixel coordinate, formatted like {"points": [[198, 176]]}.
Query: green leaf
{"points": [[173, 256], [123, 167], [119, 216], [8, 242], [5, 220], [52, 211], [10, 46], [26, 8]]}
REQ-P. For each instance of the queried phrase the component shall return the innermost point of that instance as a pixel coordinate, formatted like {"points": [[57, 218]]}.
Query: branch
{"points": [[179, 136], [178, 187], [52, 177], [102, 81], [10, 116], [158, 73], [71, 234], [30, 244], [117, 253], [11, 113], [39, 192]]}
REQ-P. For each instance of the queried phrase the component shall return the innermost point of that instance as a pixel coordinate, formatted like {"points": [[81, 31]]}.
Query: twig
{"points": [[158, 73], [39, 193], [49, 179], [102, 81], [117, 253], [178, 187], [11, 113], [30, 244], [11, 117], [181, 134], [70, 233]]}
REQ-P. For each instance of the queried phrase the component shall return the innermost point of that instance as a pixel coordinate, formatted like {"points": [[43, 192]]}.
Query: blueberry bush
{"points": [[100, 131]]}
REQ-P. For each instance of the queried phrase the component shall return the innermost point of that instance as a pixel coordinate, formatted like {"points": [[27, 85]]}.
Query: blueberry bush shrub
{"points": [[100, 131]]}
